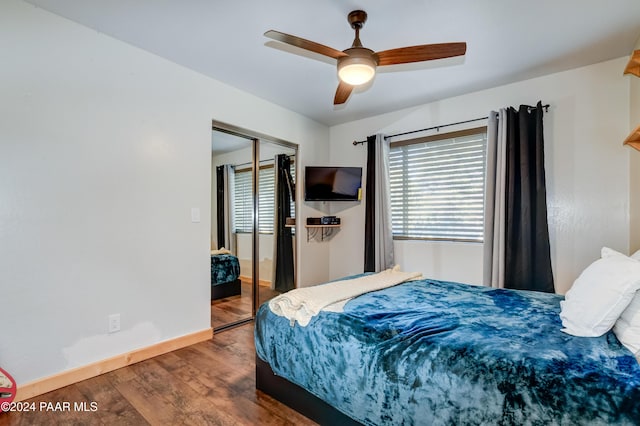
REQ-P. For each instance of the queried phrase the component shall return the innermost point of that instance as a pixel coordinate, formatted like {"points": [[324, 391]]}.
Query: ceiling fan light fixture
{"points": [[357, 64], [356, 70]]}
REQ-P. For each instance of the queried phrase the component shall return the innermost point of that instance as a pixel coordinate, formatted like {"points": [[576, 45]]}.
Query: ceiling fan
{"points": [[357, 64]]}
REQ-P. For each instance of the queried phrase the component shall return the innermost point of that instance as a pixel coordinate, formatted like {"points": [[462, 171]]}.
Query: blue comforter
{"points": [[439, 353], [224, 268]]}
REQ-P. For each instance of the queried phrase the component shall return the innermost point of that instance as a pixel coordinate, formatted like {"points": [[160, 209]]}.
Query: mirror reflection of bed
{"points": [[232, 224], [237, 307]]}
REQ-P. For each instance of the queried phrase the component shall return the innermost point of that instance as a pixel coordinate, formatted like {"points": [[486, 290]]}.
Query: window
{"points": [[243, 205], [437, 186], [243, 201]]}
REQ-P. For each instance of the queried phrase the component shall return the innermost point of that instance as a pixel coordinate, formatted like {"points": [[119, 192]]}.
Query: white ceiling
{"points": [[222, 143], [507, 41]]}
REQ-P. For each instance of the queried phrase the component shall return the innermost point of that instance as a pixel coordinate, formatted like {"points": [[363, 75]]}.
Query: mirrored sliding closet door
{"points": [[253, 246]]}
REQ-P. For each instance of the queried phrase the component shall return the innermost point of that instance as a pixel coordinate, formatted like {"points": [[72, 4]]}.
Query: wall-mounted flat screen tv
{"points": [[332, 183]]}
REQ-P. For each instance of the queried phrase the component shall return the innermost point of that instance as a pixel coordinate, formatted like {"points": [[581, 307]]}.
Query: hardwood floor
{"points": [[236, 308], [210, 383]]}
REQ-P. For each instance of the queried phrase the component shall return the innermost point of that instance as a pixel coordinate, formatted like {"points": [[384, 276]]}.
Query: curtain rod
{"points": [[250, 163], [545, 107], [261, 161]]}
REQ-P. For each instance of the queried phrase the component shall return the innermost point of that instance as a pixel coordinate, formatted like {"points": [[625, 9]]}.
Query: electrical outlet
{"points": [[114, 323]]}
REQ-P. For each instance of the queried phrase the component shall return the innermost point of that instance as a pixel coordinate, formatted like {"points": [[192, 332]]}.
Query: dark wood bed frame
{"points": [[220, 291], [298, 398]]}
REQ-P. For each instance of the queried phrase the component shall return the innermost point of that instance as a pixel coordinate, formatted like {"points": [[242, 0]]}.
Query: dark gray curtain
{"points": [[370, 208], [527, 252], [283, 240], [220, 222]]}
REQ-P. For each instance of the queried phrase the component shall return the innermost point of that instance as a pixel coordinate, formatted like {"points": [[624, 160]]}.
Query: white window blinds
{"points": [[437, 186], [243, 202], [243, 206], [266, 196]]}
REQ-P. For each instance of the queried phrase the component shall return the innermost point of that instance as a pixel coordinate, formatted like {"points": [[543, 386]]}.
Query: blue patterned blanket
{"points": [[439, 353], [224, 268]]}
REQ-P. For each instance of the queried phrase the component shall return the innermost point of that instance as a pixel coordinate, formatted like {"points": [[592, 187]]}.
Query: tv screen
{"points": [[332, 183]]}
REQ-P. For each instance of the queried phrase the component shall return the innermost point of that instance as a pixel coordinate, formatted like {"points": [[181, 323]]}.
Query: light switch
{"points": [[195, 215]]}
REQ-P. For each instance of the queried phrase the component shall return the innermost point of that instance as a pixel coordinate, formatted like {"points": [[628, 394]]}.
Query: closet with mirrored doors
{"points": [[253, 232]]}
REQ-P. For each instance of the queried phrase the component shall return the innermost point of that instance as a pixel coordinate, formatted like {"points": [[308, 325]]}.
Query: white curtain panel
{"points": [[384, 232], [494, 201]]}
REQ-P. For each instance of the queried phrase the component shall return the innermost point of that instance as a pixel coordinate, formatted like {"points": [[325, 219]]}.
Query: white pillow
{"points": [[627, 328], [607, 252], [600, 294]]}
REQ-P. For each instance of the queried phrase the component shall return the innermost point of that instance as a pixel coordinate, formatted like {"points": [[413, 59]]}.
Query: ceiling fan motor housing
{"points": [[358, 67], [357, 18]]}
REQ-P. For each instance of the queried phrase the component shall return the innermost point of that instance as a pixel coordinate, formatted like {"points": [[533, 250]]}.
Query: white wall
{"points": [[104, 150], [634, 164], [587, 171]]}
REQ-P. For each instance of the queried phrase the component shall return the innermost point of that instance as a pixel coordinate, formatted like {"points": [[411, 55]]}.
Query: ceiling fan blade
{"points": [[305, 44], [342, 93], [425, 52]]}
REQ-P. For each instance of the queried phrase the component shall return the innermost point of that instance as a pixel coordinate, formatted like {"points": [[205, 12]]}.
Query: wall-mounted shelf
{"points": [[633, 139], [633, 67], [325, 231]]}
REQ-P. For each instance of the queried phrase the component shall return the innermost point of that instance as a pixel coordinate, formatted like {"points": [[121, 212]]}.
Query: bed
{"points": [[225, 273], [429, 352]]}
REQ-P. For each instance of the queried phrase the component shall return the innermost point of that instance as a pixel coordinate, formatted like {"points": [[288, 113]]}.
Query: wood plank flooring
{"points": [[210, 383], [236, 308]]}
